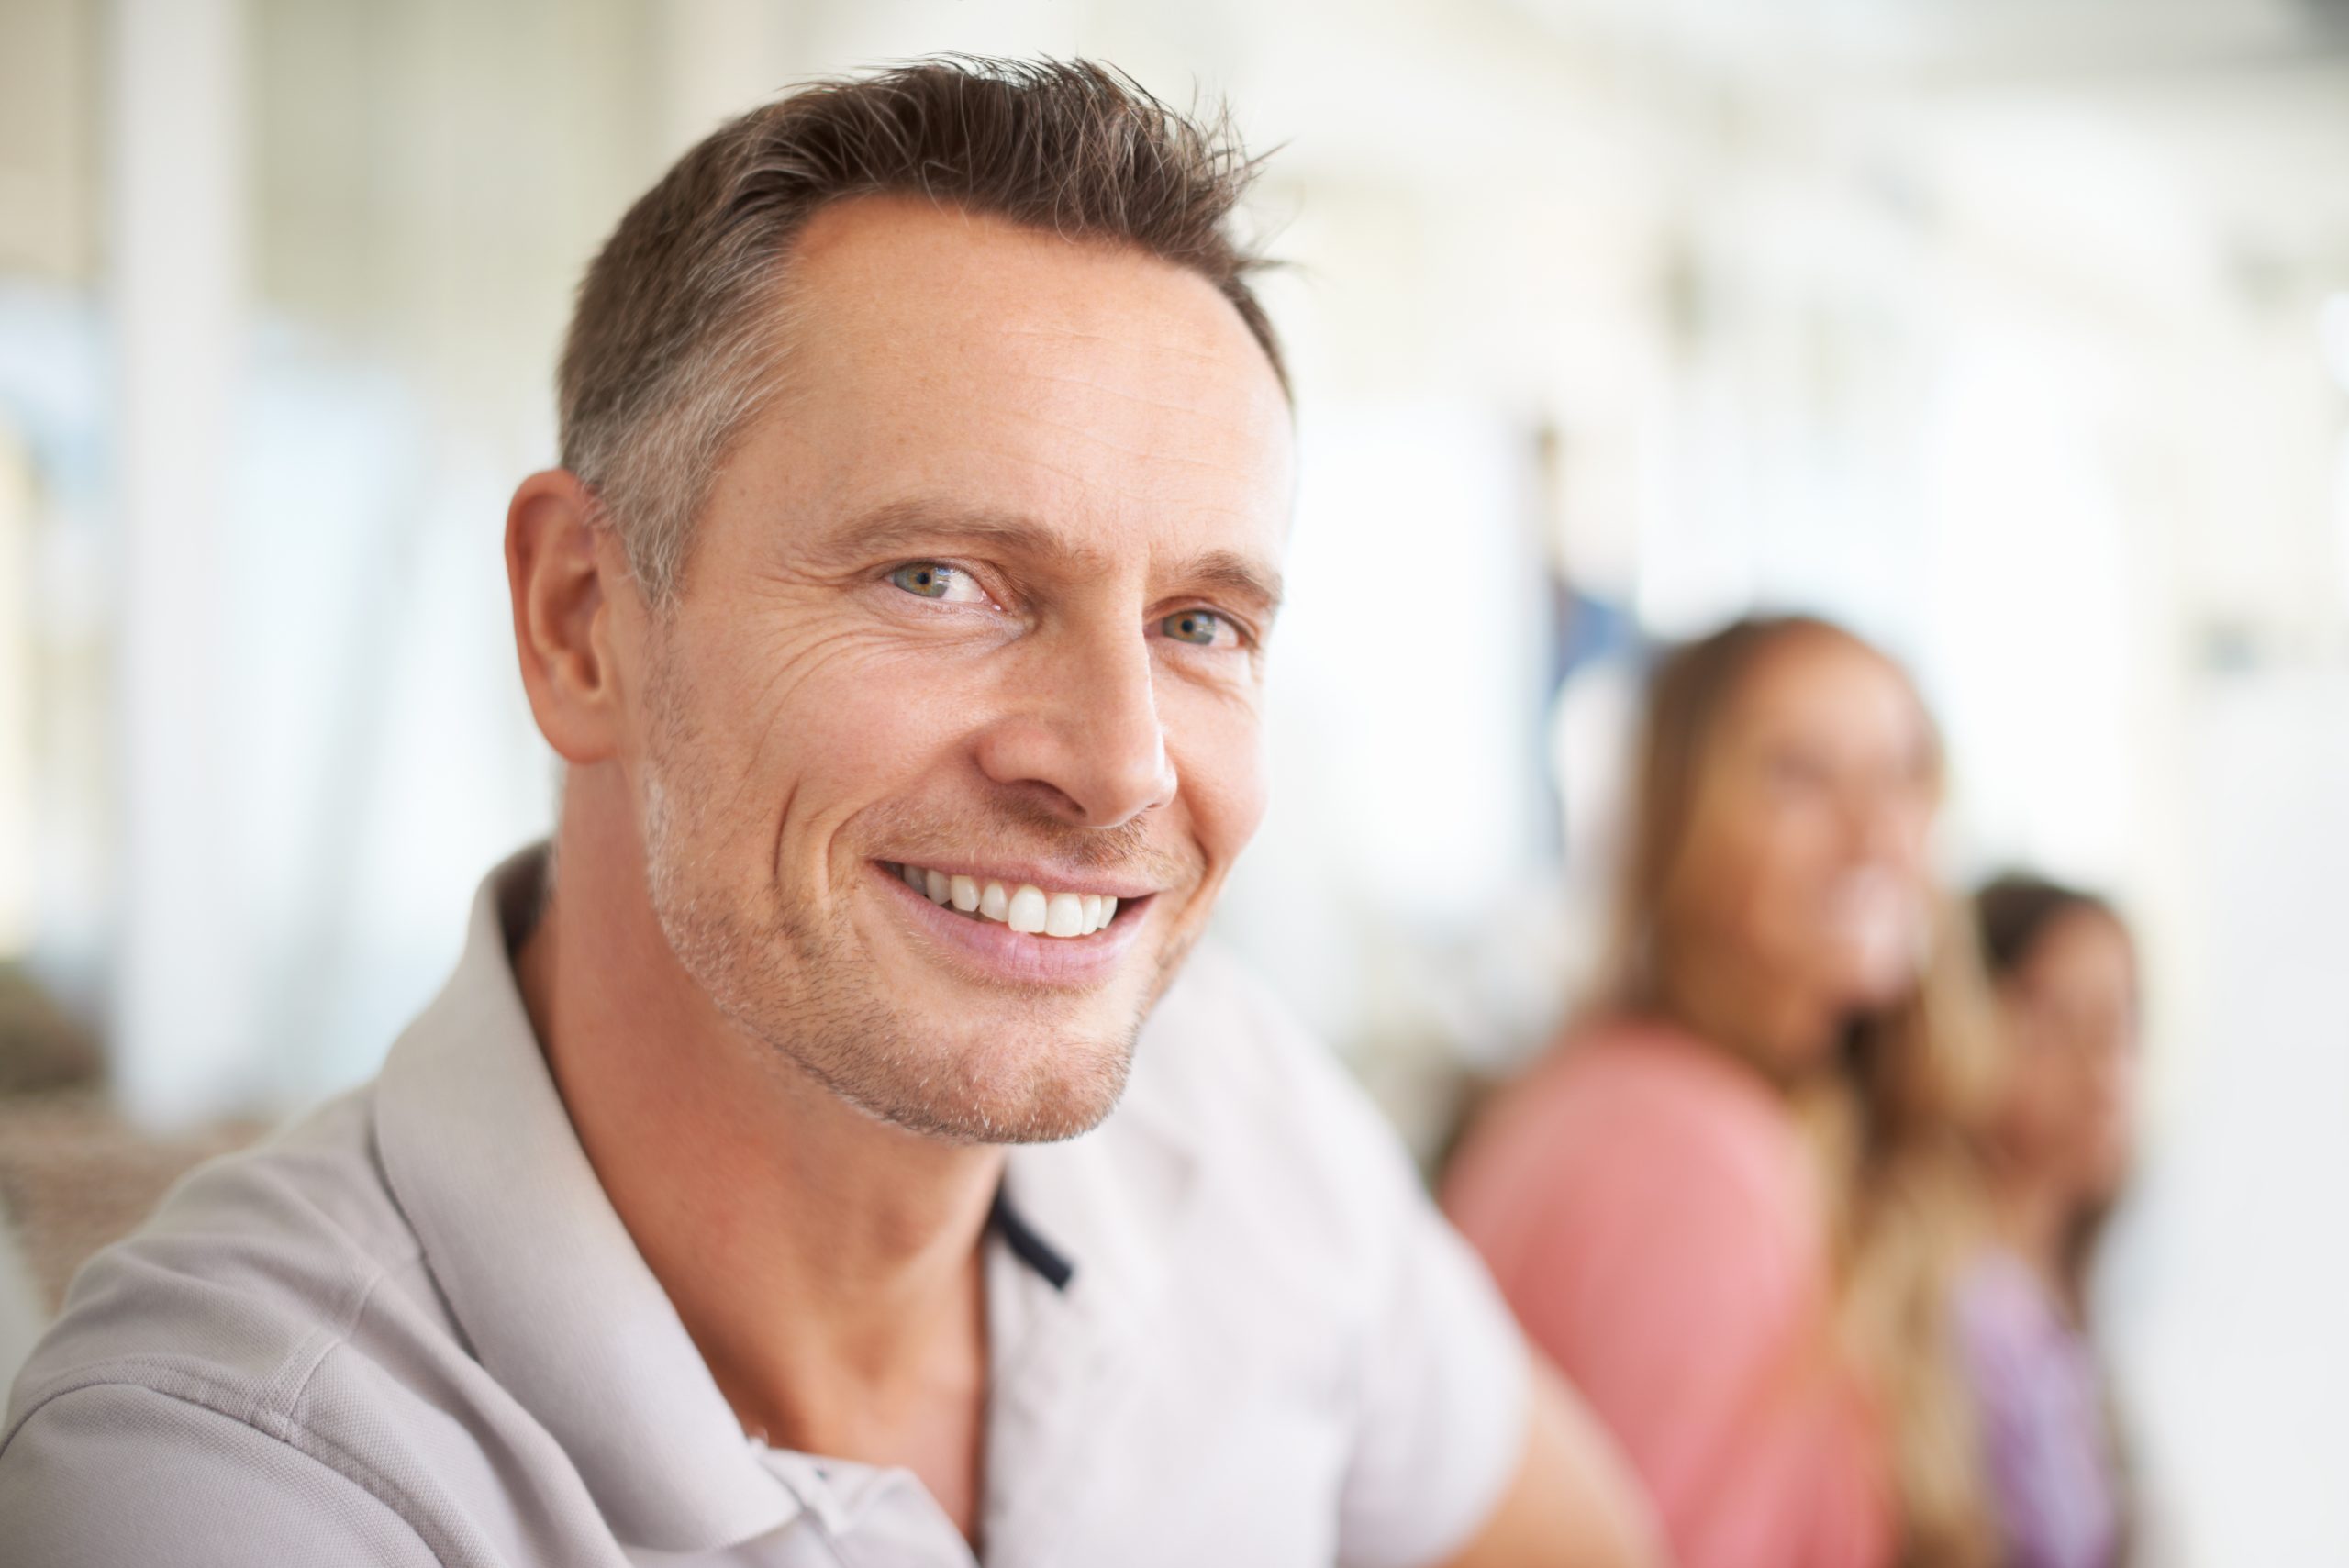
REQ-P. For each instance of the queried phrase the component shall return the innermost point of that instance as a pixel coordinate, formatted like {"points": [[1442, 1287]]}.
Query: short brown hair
{"points": [[673, 343]]}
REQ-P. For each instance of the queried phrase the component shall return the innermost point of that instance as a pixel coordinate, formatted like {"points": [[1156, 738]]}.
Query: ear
{"points": [[570, 584]]}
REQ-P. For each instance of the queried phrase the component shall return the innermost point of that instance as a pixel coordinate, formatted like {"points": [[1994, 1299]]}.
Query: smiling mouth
{"points": [[1023, 907]]}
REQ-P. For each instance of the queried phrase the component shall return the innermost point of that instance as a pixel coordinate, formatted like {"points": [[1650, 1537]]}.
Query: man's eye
{"points": [[1201, 629], [932, 580]]}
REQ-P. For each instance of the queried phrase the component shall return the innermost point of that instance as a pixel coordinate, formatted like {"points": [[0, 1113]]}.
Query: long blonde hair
{"points": [[1895, 1124]]}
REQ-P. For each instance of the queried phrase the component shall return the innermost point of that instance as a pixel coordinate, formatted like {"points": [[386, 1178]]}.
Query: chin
{"points": [[1050, 1107], [1041, 1088], [2108, 1174]]}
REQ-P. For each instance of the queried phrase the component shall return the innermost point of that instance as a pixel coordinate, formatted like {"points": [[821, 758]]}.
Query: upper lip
{"points": [[1043, 875]]}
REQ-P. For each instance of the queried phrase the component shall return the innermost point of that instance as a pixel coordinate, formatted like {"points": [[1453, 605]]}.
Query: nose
{"points": [[1084, 729], [2108, 1065]]}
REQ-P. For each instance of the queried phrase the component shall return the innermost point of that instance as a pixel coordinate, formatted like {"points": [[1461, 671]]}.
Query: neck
{"points": [[826, 1265], [1787, 1032], [2033, 1220]]}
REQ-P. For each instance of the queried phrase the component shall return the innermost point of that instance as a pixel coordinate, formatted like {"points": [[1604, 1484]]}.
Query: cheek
{"points": [[2043, 1105], [1917, 835], [1721, 883], [2111, 1148], [1778, 868], [2100, 1095], [860, 726], [822, 734], [1217, 746]]}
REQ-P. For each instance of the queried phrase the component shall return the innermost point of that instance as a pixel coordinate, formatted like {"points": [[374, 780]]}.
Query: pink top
{"points": [[1646, 1204]]}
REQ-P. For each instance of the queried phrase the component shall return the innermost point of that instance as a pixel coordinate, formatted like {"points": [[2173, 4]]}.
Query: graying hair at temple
{"points": [[682, 321]]}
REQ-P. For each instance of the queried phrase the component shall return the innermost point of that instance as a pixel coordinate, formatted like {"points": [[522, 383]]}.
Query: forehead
{"points": [[2084, 943], [949, 357], [1821, 686]]}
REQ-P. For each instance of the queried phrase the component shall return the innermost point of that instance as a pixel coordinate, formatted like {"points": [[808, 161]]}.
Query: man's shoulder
{"points": [[1288, 1145], [1226, 1055], [255, 1269], [1218, 1029], [1258, 1218], [105, 1472]]}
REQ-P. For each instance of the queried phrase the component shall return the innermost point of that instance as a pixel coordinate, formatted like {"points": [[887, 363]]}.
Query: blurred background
{"points": [[2014, 333]]}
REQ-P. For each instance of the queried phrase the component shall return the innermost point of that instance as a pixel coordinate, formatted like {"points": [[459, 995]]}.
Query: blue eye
{"points": [[1201, 629], [932, 580]]}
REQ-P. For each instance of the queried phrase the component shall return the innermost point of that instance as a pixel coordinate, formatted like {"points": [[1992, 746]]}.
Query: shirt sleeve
{"points": [[1419, 1380], [113, 1472], [1446, 1405], [1444, 1387]]}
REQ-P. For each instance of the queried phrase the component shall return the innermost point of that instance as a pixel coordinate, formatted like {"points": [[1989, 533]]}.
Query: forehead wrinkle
{"points": [[1156, 455], [1185, 347], [1136, 500], [1098, 384]]}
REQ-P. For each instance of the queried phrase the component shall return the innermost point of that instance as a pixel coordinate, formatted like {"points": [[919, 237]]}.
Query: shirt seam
{"points": [[319, 1344], [396, 1499]]}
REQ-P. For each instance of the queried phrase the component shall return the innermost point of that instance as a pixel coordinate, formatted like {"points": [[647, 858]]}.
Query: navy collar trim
{"points": [[1027, 1245]]}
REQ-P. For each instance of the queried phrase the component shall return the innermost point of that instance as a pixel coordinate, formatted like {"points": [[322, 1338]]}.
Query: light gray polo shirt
{"points": [[1224, 1326]]}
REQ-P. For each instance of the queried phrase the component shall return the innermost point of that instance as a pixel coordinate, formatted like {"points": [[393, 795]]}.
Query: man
{"points": [[753, 1193]]}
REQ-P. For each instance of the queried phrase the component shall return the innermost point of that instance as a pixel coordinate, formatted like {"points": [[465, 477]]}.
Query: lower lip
{"points": [[1002, 954]]}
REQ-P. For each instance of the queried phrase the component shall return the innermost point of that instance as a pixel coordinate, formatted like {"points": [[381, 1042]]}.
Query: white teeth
{"points": [[1026, 908]]}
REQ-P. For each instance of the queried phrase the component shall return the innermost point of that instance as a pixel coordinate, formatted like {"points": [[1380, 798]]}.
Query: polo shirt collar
{"points": [[1116, 1201], [539, 1271], [562, 1311]]}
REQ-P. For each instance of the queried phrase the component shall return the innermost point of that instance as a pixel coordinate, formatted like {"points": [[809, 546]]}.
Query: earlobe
{"points": [[556, 566]]}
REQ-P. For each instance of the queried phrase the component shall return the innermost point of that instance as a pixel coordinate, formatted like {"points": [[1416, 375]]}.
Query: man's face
{"points": [[978, 604]]}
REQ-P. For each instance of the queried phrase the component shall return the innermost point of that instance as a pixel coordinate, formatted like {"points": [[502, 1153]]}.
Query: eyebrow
{"points": [[1241, 576], [912, 526]]}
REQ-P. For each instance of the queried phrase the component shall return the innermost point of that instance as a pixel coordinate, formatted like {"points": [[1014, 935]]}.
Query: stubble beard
{"points": [[789, 980]]}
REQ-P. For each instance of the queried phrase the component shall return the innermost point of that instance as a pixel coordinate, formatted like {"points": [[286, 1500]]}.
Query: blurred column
{"points": [[174, 98]]}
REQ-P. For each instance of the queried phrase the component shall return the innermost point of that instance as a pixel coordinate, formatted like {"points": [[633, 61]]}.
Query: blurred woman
{"points": [[1733, 1206], [2066, 981]]}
